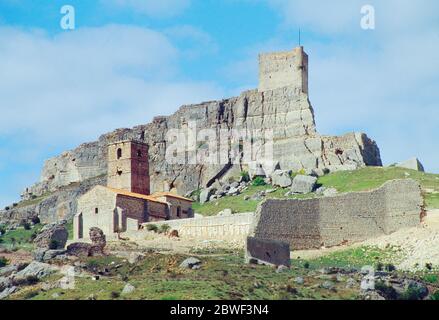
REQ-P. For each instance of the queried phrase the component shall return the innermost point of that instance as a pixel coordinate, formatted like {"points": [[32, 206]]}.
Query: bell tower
{"points": [[128, 166]]}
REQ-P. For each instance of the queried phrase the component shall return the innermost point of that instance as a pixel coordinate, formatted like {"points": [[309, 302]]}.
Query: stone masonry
{"points": [[341, 219]]}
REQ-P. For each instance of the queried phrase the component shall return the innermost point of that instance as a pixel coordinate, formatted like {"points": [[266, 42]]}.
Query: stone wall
{"points": [[341, 219], [234, 228]]}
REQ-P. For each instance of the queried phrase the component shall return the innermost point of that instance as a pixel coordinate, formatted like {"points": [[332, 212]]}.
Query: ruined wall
{"points": [[234, 228], [340, 219]]}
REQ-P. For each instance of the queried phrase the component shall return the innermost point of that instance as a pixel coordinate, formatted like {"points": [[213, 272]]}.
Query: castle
{"points": [[125, 203], [280, 105]]}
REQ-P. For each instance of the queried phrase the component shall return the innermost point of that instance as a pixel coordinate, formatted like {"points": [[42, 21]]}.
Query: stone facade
{"points": [[125, 203], [341, 219], [284, 69]]}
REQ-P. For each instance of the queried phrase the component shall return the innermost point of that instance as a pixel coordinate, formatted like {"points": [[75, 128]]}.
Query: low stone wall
{"points": [[228, 228], [341, 219]]}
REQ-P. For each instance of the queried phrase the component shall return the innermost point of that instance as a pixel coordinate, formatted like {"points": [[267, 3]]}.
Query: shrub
{"points": [[245, 176], [429, 266], [2, 229], [115, 295], [413, 293], [7, 208], [53, 245], [435, 295], [386, 291], [258, 181], [26, 226], [390, 267], [3, 262], [301, 172], [36, 220], [152, 227], [31, 294], [164, 228], [306, 265], [431, 278]]}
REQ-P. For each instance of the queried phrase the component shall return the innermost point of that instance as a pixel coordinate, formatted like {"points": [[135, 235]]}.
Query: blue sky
{"points": [[130, 60]]}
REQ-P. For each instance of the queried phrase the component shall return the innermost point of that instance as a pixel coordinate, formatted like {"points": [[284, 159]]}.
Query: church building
{"points": [[125, 203]]}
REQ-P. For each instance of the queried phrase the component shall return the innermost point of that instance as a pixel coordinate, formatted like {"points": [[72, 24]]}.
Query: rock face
{"points": [[413, 164], [283, 113], [52, 236]]}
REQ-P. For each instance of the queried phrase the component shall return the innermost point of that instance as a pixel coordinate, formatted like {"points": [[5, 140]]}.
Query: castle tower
{"points": [[284, 69], [128, 166]]}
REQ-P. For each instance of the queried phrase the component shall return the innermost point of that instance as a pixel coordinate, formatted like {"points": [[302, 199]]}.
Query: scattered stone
{"points": [[7, 292], [189, 263], [281, 269], [328, 285], [4, 283], [206, 194], [225, 212], [281, 179], [303, 184], [128, 289], [299, 280], [135, 257], [351, 283], [233, 192], [52, 236]]}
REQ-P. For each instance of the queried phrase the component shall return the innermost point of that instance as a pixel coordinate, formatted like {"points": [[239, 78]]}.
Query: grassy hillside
{"points": [[345, 181]]}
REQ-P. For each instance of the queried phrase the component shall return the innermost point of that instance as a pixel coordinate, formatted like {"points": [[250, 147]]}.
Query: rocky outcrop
{"points": [[52, 236]]}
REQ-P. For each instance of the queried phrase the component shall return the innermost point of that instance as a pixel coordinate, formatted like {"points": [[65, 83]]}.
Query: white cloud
{"points": [[153, 8], [77, 85]]}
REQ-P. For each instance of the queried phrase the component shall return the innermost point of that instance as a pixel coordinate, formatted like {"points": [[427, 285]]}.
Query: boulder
{"points": [[35, 269], [281, 179], [52, 236], [79, 249], [5, 283], [129, 288], [7, 292], [303, 184], [413, 164], [206, 194], [190, 263], [8, 270], [96, 248]]}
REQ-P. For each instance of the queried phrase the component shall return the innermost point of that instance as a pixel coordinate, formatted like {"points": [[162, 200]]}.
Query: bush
{"points": [[36, 220], [164, 228], [390, 267], [115, 295], [388, 292], [413, 293], [435, 295], [258, 181], [3, 262], [306, 265], [2, 230], [245, 176], [26, 226], [152, 227]]}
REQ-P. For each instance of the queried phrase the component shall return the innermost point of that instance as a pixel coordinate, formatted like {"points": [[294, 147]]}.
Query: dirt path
{"points": [[420, 245]]}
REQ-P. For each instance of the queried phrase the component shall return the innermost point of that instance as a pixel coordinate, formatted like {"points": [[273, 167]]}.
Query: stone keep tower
{"points": [[128, 166], [284, 69]]}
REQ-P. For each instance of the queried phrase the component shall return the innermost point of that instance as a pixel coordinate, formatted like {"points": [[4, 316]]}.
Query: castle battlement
{"points": [[284, 69]]}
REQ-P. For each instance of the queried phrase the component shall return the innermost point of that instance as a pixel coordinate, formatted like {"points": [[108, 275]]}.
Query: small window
{"points": [[139, 153], [96, 210], [119, 153], [178, 212], [119, 172]]}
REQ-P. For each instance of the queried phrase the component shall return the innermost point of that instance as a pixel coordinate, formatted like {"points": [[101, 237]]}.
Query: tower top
{"points": [[284, 69]]}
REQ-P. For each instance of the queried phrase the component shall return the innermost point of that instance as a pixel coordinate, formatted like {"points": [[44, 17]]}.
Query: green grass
{"points": [[20, 238], [344, 181], [223, 277], [69, 227], [354, 258]]}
